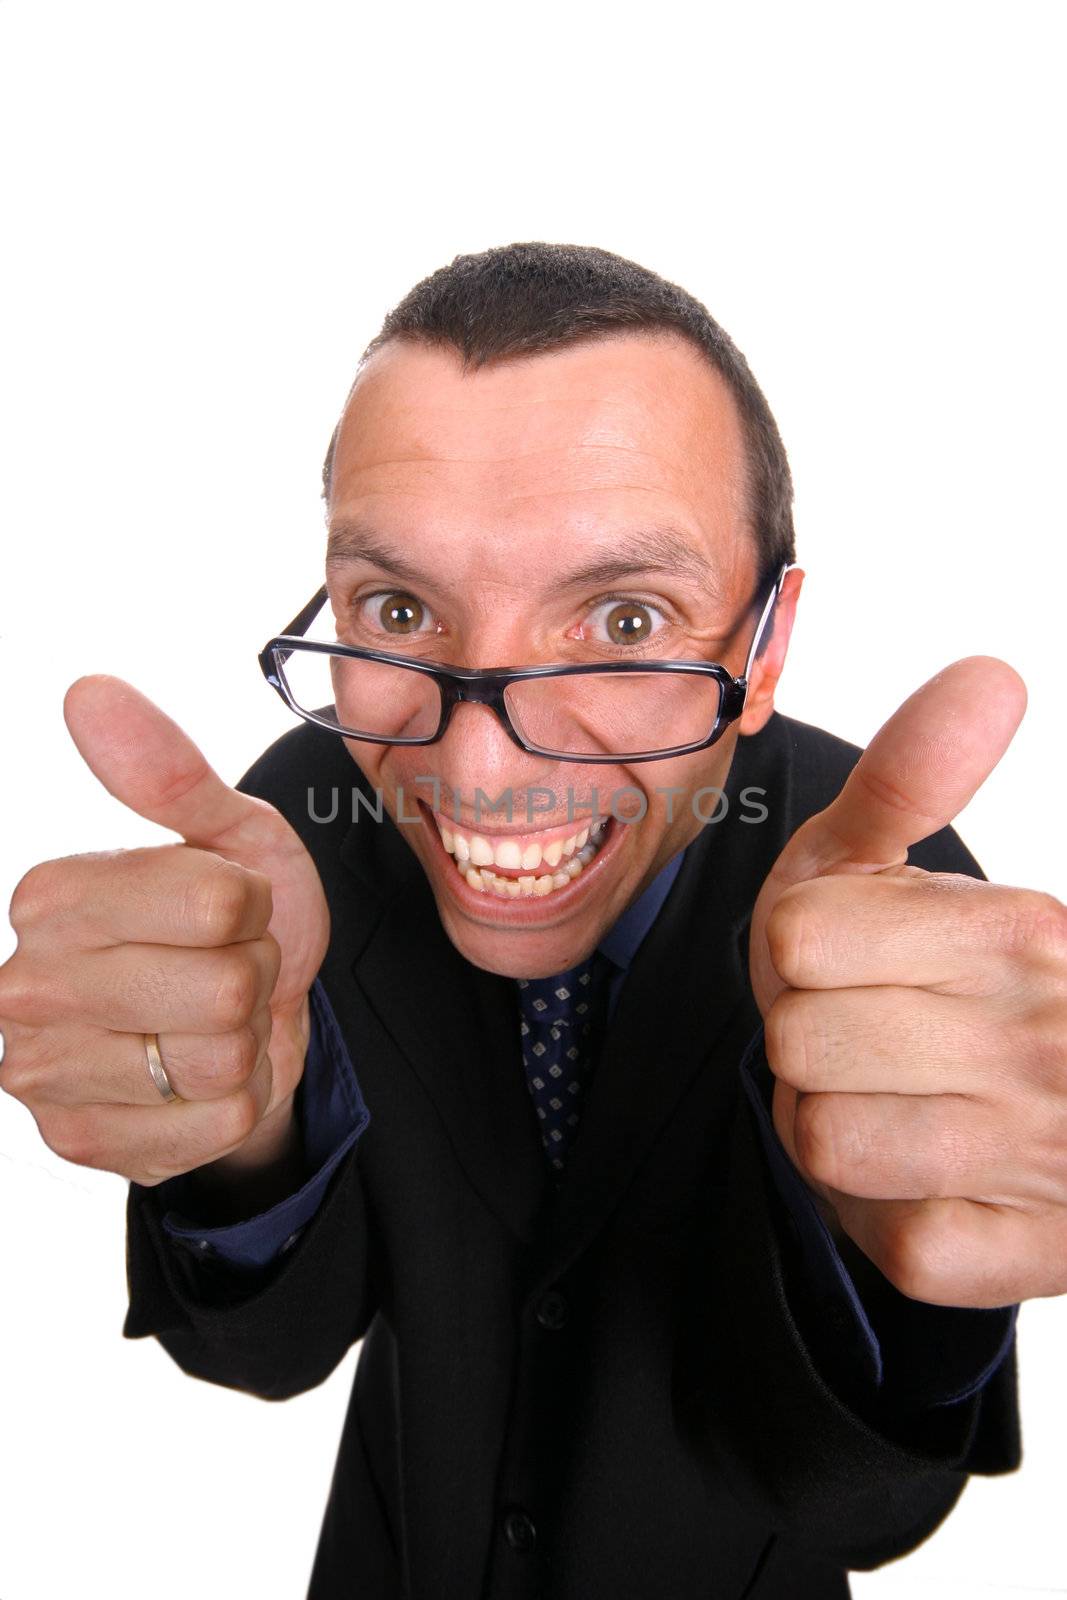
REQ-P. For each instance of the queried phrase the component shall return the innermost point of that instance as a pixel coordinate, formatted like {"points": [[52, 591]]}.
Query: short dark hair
{"points": [[530, 299]]}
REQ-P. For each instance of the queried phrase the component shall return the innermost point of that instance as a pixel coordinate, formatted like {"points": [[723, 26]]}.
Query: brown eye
{"points": [[401, 613], [628, 623]]}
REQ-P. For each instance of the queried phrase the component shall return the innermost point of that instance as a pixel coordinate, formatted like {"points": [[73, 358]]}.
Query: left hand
{"points": [[916, 1022]]}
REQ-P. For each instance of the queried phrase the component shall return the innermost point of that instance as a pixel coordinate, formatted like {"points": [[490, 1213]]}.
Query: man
{"points": [[656, 1090]]}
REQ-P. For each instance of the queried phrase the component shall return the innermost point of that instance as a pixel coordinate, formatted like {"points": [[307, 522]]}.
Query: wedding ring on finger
{"points": [[156, 1067]]}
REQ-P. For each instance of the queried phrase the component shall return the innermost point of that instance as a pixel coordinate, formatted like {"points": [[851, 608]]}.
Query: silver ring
{"points": [[156, 1067]]}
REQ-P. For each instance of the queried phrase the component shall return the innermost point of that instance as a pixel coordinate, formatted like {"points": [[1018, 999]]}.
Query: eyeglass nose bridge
{"points": [[477, 689]]}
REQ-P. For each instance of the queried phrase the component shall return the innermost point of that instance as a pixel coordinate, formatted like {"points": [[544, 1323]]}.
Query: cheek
{"points": [[682, 794], [373, 761]]}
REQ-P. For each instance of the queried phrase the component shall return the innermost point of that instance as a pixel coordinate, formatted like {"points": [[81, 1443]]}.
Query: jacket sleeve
{"points": [[858, 1471], [274, 1333], [847, 1471], [861, 1329], [272, 1323]]}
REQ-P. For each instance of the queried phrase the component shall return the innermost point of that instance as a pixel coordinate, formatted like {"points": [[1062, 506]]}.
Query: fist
{"points": [[916, 1023], [212, 944]]}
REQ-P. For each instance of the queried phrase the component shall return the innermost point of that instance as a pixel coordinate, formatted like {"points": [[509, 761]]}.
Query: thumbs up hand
{"points": [[212, 944], [915, 1022]]}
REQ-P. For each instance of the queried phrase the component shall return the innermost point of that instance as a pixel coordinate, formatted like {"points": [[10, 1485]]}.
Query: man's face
{"points": [[546, 510]]}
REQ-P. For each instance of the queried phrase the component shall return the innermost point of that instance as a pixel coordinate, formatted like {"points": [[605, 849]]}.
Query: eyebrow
{"points": [[351, 540], [655, 549]]}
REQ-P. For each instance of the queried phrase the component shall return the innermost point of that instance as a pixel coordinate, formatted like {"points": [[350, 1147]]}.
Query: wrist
{"points": [[266, 1168]]}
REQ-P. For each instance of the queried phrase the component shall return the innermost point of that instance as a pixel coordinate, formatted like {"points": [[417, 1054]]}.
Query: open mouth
{"points": [[529, 866]]}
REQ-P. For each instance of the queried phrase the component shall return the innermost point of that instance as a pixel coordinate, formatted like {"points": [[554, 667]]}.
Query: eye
{"points": [[624, 623], [395, 611]]}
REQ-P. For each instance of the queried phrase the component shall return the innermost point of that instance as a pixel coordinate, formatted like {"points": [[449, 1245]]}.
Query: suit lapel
{"points": [[685, 1006], [457, 1026], [682, 999]]}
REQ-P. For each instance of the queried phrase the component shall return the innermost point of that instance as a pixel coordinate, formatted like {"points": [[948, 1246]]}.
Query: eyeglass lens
{"points": [[607, 713]]}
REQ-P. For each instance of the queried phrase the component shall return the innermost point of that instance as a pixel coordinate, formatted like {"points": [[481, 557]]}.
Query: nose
{"points": [[478, 753]]}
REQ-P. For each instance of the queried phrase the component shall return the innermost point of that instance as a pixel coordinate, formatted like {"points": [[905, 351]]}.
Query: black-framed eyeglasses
{"points": [[627, 710]]}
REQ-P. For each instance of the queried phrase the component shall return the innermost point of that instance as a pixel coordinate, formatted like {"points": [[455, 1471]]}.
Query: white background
{"points": [[207, 209]]}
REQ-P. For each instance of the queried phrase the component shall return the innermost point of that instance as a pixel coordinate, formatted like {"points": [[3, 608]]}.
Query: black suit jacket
{"points": [[608, 1393]]}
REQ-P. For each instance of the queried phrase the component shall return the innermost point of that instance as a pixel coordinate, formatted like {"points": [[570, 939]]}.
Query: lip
{"points": [[540, 912]]}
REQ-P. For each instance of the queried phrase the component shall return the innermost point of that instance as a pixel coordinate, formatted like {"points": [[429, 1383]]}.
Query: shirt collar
{"points": [[621, 942]]}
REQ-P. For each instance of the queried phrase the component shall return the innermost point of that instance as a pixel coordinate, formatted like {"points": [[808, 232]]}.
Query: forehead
{"points": [[631, 426]]}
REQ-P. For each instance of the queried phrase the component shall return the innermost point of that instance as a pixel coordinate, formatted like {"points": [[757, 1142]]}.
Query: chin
{"points": [[512, 954]]}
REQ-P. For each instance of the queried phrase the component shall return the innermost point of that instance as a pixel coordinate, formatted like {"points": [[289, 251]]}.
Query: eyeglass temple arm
{"points": [[764, 621], [300, 623], [307, 614]]}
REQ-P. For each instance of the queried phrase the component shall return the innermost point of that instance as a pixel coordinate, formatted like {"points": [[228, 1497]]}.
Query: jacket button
{"points": [[519, 1531], [552, 1310]]}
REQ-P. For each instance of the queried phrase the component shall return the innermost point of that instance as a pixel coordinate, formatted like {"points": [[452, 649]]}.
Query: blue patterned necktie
{"points": [[561, 1029]]}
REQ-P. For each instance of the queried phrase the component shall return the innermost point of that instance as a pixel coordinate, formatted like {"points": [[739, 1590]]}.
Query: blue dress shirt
{"points": [[964, 1348]]}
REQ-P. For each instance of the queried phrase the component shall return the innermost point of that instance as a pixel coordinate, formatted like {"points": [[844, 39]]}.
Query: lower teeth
{"points": [[528, 886]]}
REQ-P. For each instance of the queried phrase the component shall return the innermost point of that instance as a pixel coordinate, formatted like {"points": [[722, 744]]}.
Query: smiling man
{"points": [[589, 509], [649, 1080]]}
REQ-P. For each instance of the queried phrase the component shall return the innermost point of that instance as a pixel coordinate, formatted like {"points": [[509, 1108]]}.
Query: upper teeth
{"points": [[519, 854]]}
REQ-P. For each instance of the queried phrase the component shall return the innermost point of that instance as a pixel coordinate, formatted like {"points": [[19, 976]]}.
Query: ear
{"points": [[767, 668]]}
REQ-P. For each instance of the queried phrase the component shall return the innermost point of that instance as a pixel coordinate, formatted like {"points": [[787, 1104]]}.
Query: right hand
{"points": [[212, 944]]}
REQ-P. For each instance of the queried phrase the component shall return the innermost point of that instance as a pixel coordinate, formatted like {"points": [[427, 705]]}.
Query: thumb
{"points": [[147, 762], [917, 774]]}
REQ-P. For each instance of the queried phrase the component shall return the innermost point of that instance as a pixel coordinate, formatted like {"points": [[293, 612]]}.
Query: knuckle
{"points": [[169, 1153], [825, 1139], [792, 1038], [235, 1056], [70, 1138], [149, 1177], [793, 937], [1046, 932], [218, 903], [915, 1255], [20, 992], [21, 1070], [35, 894], [236, 992], [1024, 924], [146, 1178], [236, 1119]]}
